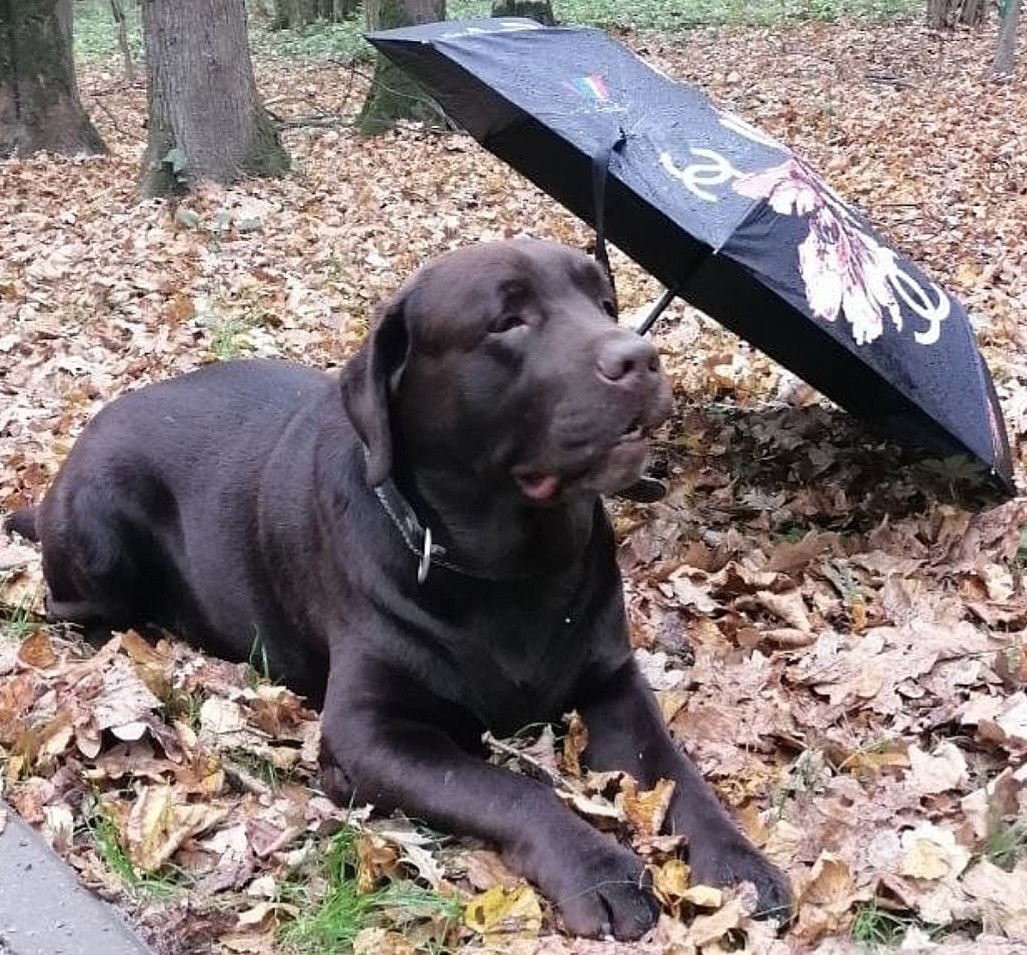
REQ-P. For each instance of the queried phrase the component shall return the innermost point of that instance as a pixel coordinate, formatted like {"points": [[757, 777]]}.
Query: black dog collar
{"points": [[417, 538], [420, 542]]}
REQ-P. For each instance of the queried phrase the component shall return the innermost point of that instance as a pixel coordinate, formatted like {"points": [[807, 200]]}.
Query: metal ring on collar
{"points": [[425, 564]]}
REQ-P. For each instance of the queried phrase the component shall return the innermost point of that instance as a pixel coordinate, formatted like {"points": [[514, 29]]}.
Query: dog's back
{"points": [[152, 518]]}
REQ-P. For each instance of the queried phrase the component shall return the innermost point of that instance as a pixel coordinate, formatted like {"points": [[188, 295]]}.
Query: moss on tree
{"points": [[394, 95]]}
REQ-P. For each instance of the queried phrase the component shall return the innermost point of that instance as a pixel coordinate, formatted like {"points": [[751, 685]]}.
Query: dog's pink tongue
{"points": [[539, 487]]}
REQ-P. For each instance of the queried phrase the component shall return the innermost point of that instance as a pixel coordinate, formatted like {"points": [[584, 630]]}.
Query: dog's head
{"points": [[504, 361]]}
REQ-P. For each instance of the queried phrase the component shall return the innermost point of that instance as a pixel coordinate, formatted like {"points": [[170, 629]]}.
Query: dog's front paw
{"points": [[612, 897], [733, 860], [335, 782], [598, 888]]}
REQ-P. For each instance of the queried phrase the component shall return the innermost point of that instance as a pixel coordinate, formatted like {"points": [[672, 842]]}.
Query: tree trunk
{"points": [[1005, 49], [39, 102], [540, 10], [945, 14], [394, 94], [118, 12], [206, 120]]}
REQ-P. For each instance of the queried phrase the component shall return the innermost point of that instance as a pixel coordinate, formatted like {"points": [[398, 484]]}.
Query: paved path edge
{"points": [[44, 909]]}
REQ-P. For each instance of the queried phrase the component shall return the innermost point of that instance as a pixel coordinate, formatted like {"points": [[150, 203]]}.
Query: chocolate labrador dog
{"points": [[419, 546]]}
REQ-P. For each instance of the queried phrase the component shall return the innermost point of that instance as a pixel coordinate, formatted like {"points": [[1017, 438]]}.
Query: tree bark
{"points": [[1005, 49], [540, 10], [206, 119], [945, 14], [39, 101], [394, 94]]}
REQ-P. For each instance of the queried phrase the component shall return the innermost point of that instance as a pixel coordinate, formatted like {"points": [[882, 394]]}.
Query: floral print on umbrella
{"points": [[844, 269]]}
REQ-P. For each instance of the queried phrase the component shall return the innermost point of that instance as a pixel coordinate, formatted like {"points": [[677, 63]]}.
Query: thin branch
{"points": [[533, 766]]}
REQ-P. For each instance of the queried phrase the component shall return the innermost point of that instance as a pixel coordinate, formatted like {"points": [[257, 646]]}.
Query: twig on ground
{"points": [[529, 763], [114, 122]]}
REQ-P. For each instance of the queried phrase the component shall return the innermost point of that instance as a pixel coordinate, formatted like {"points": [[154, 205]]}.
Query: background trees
{"points": [[541, 10], [1005, 49], [949, 13], [206, 119], [297, 13], [393, 94], [39, 101]]}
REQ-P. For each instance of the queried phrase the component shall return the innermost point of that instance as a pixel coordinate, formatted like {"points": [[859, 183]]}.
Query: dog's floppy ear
{"points": [[367, 382]]}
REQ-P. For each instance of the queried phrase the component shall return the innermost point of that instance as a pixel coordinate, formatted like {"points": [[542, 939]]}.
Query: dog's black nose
{"points": [[626, 357]]}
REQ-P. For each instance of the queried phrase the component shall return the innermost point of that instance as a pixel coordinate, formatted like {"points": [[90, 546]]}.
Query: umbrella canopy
{"points": [[724, 216]]}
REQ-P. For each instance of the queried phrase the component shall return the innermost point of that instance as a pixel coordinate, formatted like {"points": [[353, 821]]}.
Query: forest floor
{"points": [[836, 627]]}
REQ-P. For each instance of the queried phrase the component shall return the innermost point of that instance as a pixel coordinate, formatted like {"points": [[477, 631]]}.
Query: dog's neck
{"points": [[488, 534]]}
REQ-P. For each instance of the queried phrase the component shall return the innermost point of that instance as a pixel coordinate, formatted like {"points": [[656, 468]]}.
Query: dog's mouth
{"points": [[538, 487], [633, 432], [545, 486]]}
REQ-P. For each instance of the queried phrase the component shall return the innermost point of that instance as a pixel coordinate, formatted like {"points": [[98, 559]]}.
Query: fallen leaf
{"points": [[1001, 897], [645, 811], [159, 822], [380, 941], [37, 651], [707, 929], [500, 914], [937, 772], [931, 852]]}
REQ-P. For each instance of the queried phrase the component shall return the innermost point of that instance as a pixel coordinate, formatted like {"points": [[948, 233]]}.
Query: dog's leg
{"points": [[599, 887], [23, 521], [627, 732], [99, 558]]}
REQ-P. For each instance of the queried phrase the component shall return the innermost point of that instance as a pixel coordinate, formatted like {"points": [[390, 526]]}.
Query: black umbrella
{"points": [[723, 216]]}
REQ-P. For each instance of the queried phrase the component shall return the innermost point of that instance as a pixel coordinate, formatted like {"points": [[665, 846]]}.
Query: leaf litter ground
{"points": [[835, 628]]}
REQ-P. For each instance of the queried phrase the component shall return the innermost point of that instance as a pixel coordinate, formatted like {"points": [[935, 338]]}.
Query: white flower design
{"points": [[844, 269]]}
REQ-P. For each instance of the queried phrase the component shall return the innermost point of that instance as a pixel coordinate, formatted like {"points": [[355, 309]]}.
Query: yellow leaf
{"points": [[574, 744], [645, 810], [502, 914], [375, 859], [670, 883], [704, 896], [55, 738], [37, 651], [967, 274], [858, 612], [932, 853]]}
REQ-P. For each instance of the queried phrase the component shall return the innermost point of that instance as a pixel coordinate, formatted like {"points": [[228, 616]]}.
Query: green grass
{"points": [[104, 830], [224, 338], [17, 623], [258, 660], [261, 767], [1007, 844], [332, 921], [95, 37], [878, 927], [1020, 559], [670, 15], [183, 706], [95, 32]]}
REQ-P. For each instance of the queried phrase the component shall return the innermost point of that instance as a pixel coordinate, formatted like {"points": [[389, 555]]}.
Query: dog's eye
{"points": [[506, 323], [609, 307]]}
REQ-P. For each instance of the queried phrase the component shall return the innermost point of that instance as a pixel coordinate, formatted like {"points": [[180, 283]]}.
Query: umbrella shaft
{"points": [[658, 309]]}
